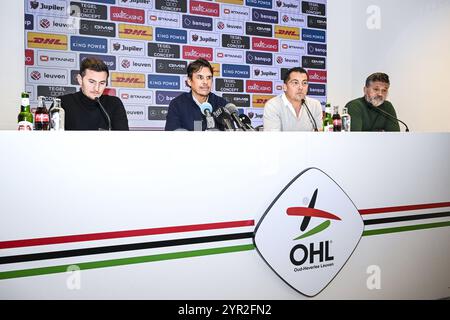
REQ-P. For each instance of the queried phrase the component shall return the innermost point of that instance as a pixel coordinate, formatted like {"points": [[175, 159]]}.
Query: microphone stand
{"points": [[390, 116], [104, 111], [311, 118]]}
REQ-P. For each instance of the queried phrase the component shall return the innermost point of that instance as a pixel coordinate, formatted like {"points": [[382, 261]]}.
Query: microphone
{"points": [[224, 119], [105, 113], [247, 122], [390, 116], [231, 108], [311, 118], [206, 109]]}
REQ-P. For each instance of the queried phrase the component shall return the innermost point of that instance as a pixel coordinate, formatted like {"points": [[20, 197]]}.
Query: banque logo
{"points": [[309, 232]]}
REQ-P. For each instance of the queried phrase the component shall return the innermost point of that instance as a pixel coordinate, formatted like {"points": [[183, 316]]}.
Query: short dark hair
{"points": [[196, 65], [378, 76], [93, 64], [296, 69]]}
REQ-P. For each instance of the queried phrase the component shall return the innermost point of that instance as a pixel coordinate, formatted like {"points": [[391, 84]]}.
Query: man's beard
{"points": [[376, 102]]}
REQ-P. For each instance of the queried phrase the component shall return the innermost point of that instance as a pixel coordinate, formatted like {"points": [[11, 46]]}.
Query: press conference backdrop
{"points": [[147, 45]]}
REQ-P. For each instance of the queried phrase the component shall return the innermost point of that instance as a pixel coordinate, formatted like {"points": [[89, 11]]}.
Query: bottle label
{"points": [[24, 126], [41, 117], [25, 102]]}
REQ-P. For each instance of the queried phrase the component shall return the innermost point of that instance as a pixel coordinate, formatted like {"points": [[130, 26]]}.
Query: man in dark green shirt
{"points": [[366, 112]]}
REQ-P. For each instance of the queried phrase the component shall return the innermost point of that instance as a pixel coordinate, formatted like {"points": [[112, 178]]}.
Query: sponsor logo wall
{"points": [[147, 45]]}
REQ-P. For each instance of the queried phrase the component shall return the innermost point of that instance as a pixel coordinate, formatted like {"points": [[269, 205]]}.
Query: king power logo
{"points": [[309, 232]]}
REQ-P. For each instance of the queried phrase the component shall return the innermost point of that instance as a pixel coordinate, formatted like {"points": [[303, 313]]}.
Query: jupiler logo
{"points": [[309, 232]]}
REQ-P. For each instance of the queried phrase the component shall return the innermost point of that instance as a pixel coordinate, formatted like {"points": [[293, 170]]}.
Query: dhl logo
{"points": [[258, 101], [287, 33], [135, 32], [47, 41], [127, 80]]}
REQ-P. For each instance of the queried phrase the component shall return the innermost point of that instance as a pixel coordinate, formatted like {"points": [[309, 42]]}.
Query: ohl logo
{"points": [[327, 233], [323, 251]]}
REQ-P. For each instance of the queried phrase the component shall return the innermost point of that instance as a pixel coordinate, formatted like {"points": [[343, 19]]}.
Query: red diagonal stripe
{"points": [[405, 208], [310, 212], [123, 234]]}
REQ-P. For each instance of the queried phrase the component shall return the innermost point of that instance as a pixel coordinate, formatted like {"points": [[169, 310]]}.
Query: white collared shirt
{"points": [[280, 115]]}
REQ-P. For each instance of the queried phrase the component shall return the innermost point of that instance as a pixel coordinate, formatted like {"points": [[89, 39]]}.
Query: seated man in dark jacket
{"points": [[82, 110], [185, 109], [367, 112]]}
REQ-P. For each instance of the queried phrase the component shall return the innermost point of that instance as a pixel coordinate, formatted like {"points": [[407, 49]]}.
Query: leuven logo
{"points": [[309, 232]]}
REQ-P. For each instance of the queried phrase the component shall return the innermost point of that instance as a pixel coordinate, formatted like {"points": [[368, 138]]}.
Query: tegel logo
{"points": [[171, 5], [163, 50], [309, 232], [88, 10], [235, 41], [317, 9]]}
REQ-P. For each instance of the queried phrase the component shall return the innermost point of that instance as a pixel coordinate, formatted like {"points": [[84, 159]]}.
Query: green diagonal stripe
{"points": [[406, 228], [317, 229], [124, 261]]}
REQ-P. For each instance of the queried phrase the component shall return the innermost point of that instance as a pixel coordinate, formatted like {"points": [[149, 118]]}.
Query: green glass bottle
{"points": [[327, 119], [25, 118]]}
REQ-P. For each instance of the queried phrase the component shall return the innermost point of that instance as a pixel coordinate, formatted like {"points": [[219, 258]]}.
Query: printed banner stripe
{"points": [[123, 234], [407, 218], [405, 208], [406, 228], [124, 261], [121, 248]]}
